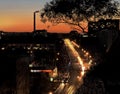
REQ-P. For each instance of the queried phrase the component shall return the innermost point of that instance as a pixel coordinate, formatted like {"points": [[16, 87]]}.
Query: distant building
{"points": [[109, 24], [105, 30], [40, 32]]}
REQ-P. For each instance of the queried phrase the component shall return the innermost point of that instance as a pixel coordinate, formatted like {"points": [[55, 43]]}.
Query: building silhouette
{"points": [[106, 31]]}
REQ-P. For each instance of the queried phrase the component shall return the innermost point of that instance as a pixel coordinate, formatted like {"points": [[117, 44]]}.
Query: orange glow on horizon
{"points": [[24, 23], [59, 28]]}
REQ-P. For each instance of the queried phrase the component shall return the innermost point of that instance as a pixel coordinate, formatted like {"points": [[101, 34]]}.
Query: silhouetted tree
{"points": [[75, 12]]}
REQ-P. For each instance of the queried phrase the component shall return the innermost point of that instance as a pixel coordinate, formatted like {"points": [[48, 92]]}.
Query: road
{"points": [[76, 70]]}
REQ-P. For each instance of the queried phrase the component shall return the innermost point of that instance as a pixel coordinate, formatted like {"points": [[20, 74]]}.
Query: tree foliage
{"points": [[73, 12]]}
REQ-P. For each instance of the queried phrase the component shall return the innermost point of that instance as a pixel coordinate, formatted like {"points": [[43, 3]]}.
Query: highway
{"points": [[76, 70]]}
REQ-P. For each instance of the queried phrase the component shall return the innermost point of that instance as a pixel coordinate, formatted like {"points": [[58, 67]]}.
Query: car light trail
{"points": [[77, 69], [70, 45], [75, 44], [60, 88], [35, 71]]}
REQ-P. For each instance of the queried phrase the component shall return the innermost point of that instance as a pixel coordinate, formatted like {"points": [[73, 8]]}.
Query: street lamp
{"points": [[34, 24]]}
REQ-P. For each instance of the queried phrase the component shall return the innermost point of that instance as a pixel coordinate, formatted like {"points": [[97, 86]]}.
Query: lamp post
{"points": [[34, 24]]}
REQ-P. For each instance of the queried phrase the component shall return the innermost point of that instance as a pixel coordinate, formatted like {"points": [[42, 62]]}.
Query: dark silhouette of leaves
{"points": [[73, 12]]}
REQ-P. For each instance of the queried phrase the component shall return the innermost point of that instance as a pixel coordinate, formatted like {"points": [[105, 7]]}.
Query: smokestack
{"points": [[34, 18]]}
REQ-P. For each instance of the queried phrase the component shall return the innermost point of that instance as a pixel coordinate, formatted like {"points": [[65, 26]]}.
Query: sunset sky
{"points": [[17, 16]]}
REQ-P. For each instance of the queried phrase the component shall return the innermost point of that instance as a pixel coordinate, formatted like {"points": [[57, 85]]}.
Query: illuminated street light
{"points": [[34, 15], [3, 48]]}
